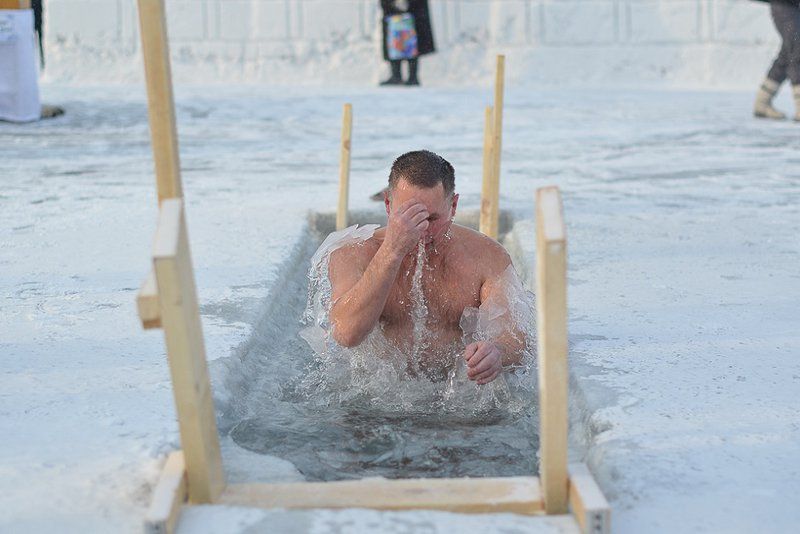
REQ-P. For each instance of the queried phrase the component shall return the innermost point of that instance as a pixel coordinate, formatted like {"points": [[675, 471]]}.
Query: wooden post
{"points": [[551, 312], [492, 148], [180, 319], [487, 207], [497, 146], [15, 4], [344, 167], [160, 104]]}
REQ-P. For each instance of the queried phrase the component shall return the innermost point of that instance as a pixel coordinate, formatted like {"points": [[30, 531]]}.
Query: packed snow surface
{"points": [[683, 220]]}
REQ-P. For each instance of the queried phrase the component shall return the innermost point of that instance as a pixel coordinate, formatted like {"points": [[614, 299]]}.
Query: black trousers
{"points": [[787, 21]]}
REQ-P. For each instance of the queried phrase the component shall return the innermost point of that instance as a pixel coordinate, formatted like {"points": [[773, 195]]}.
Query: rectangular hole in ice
{"points": [[275, 428]]}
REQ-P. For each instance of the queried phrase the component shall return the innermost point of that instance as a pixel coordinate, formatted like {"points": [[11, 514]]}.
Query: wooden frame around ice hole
{"points": [[168, 299]]}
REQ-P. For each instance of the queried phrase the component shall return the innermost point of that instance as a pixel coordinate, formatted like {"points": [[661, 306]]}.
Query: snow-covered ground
{"points": [[684, 224]]}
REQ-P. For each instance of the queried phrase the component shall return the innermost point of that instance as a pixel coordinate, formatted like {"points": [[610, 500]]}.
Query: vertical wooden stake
{"points": [[488, 165], [160, 103], [497, 146], [551, 312], [180, 319], [344, 167], [492, 148], [15, 4]]}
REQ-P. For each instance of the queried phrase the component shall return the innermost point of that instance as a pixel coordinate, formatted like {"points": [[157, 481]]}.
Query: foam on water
{"points": [[376, 409]]}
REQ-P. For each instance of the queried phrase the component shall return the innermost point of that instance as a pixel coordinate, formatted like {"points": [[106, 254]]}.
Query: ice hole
{"points": [[283, 414]]}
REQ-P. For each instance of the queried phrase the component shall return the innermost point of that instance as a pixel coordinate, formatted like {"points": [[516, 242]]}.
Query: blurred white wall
{"points": [[695, 43]]}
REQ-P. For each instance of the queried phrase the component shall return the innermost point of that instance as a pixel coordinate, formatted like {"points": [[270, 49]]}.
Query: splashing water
{"points": [[369, 411], [420, 339]]}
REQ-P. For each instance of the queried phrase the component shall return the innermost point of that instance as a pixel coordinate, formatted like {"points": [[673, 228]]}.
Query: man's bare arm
{"points": [[512, 338], [359, 299], [486, 359], [356, 309]]}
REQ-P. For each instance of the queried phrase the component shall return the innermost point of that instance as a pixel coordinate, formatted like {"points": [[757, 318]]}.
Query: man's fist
{"points": [[484, 361]]}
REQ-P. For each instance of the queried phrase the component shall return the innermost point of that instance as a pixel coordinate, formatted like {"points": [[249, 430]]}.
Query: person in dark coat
{"points": [[48, 111], [786, 17], [38, 10], [425, 45]]}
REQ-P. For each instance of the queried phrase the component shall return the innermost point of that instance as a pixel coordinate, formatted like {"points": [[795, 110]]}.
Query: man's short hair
{"points": [[423, 168]]}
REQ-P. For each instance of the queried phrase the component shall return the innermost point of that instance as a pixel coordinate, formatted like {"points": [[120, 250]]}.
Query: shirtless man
{"points": [[371, 281]]}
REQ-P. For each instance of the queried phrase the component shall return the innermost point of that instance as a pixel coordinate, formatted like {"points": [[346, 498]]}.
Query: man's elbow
{"points": [[347, 338], [512, 354], [513, 360]]}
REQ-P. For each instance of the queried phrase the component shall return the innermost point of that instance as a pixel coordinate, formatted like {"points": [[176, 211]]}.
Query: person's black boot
{"points": [[412, 72], [48, 111], [396, 78]]}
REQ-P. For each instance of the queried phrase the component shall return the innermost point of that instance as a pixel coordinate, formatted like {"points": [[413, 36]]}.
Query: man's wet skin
{"points": [[372, 282]]}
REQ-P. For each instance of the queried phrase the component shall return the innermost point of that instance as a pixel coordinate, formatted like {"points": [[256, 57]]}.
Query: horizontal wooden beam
{"points": [[147, 303], [170, 494], [519, 495], [589, 505]]}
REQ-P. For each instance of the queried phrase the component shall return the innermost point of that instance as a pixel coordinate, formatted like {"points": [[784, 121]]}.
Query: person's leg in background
{"points": [[38, 20], [396, 77], [782, 18], [792, 30], [413, 66]]}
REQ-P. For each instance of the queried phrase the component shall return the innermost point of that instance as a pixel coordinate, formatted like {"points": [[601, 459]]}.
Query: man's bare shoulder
{"points": [[357, 254], [485, 251], [475, 241]]}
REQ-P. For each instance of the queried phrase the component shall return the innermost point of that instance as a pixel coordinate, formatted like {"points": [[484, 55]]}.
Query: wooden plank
{"points": [[160, 104], [344, 167], [180, 319], [147, 303], [168, 497], [487, 206], [497, 143], [551, 310], [15, 4], [589, 505], [520, 495]]}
